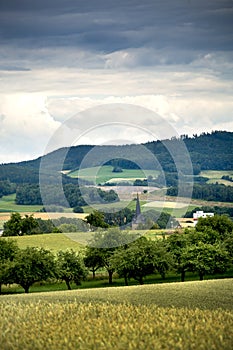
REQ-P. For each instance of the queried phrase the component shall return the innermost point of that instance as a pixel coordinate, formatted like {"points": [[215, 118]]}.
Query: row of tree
{"points": [[30, 265], [19, 225], [28, 194], [207, 249], [209, 192]]}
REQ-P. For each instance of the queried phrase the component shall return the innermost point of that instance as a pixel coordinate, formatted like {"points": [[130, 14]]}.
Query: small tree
{"points": [[32, 265], [93, 260], [70, 267], [117, 169], [78, 209], [96, 220]]}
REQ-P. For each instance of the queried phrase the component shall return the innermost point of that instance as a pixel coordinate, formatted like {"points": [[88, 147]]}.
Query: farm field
{"points": [[190, 315], [104, 174], [215, 176]]}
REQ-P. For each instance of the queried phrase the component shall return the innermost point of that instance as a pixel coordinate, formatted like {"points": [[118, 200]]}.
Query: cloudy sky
{"points": [[59, 58]]}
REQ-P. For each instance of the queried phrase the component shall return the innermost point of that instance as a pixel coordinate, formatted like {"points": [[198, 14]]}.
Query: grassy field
{"points": [[7, 204], [74, 240], [50, 241], [104, 174], [191, 315], [215, 176]]}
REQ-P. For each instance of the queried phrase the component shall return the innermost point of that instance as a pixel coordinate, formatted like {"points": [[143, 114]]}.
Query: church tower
{"points": [[138, 219], [138, 208]]}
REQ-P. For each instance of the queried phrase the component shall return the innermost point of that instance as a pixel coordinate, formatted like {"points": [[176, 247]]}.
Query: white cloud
{"points": [[26, 126]]}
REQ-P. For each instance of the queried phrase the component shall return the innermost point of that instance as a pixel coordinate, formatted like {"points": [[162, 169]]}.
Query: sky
{"points": [[66, 60]]}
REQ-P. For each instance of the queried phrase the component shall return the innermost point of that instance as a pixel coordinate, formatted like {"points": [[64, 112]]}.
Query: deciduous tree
{"points": [[70, 267], [32, 265]]}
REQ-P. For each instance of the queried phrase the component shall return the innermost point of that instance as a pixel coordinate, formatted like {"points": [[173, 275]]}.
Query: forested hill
{"points": [[209, 151]]}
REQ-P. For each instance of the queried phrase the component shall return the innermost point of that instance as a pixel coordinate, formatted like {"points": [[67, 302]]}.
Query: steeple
{"points": [[138, 218], [138, 208]]}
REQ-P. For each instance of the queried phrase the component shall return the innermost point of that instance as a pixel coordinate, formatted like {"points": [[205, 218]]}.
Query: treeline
{"points": [[227, 177], [19, 225], [52, 195], [28, 225], [207, 249], [208, 192]]}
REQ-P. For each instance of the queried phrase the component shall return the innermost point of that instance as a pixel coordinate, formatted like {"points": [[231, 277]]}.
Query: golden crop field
{"points": [[191, 315]]}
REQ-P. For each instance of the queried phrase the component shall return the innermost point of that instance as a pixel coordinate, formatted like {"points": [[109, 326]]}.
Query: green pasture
{"points": [[215, 176], [181, 316], [7, 204], [50, 241], [72, 240], [104, 174]]}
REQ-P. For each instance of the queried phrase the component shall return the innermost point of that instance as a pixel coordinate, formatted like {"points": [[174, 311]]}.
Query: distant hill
{"points": [[208, 151]]}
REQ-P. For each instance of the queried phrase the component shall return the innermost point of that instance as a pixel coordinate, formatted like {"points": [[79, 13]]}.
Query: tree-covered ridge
{"points": [[207, 151]]}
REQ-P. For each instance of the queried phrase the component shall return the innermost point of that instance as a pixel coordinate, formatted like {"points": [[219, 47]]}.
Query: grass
{"points": [[104, 174], [191, 315], [216, 176], [74, 240], [7, 204], [50, 241]]}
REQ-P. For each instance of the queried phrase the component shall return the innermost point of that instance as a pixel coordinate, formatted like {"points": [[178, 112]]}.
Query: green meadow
{"points": [[104, 174], [7, 204], [72, 240], [50, 241], [216, 176], [181, 316]]}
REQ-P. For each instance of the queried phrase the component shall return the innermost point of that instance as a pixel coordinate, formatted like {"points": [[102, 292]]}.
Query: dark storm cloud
{"points": [[112, 25]]}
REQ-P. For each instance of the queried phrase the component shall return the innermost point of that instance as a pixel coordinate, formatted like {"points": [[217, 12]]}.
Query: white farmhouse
{"points": [[200, 214]]}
